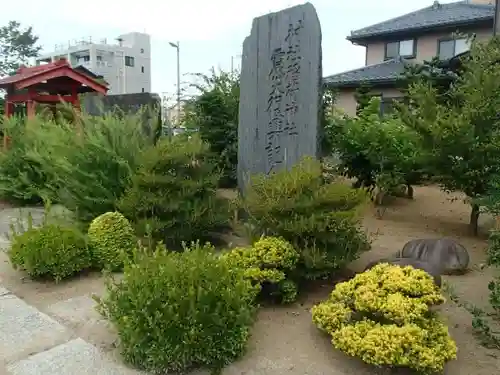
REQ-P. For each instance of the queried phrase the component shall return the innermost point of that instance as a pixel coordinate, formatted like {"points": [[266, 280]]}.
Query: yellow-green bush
{"points": [[112, 239], [177, 310], [51, 251], [382, 316], [320, 219], [268, 264]]}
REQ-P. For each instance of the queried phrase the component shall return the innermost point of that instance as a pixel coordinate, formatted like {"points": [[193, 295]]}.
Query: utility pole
{"points": [[232, 62], [496, 23], [177, 47]]}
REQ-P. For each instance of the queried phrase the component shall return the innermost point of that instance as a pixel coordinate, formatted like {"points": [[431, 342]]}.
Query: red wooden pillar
{"points": [[30, 104], [74, 99], [9, 107]]}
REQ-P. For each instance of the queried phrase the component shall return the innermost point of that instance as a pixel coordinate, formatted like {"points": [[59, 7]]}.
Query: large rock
{"points": [[444, 254], [415, 263], [280, 92]]}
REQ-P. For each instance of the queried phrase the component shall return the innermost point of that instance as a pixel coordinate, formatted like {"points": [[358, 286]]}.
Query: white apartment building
{"points": [[125, 65]]}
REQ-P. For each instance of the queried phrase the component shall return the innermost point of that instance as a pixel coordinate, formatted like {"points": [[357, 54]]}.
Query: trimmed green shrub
{"points": [[383, 317], [112, 239], [319, 219], [175, 311], [268, 264], [173, 193], [52, 251]]}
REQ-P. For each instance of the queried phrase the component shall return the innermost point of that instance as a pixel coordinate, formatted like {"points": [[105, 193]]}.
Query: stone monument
{"points": [[280, 92]]}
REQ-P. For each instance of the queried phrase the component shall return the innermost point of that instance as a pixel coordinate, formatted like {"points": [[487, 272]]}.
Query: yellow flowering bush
{"points": [[268, 264], [382, 316]]}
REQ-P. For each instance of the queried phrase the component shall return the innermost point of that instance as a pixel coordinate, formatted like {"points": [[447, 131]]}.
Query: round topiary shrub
{"points": [[112, 239], [179, 310], [382, 316], [51, 251], [268, 265]]}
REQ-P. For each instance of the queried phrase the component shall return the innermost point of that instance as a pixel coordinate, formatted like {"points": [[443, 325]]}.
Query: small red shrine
{"points": [[50, 83]]}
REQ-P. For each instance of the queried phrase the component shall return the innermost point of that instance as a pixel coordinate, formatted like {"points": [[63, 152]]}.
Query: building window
{"points": [[99, 58], [143, 89], [402, 48], [129, 61], [448, 48], [142, 69], [142, 50]]}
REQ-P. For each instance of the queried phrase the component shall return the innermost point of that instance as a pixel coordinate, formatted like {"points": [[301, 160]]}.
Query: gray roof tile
{"points": [[433, 16], [386, 71]]}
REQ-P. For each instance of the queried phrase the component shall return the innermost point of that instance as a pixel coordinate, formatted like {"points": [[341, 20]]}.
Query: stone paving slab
{"points": [[25, 330], [80, 315], [76, 357]]}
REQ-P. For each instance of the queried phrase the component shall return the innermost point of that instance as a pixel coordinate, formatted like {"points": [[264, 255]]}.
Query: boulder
{"points": [[445, 254], [415, 263]]}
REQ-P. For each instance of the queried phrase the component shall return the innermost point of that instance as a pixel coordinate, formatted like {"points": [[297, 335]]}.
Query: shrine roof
{"points": [[26, 77]]}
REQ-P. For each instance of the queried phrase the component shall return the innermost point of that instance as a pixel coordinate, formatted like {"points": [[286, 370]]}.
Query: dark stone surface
{"points": [[445, 254], [280, 100], [97, 105]]}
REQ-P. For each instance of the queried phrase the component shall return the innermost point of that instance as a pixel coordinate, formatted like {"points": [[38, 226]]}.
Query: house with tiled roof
{"points": [[440, 30]]}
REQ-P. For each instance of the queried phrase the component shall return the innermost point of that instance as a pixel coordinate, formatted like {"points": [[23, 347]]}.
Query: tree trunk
{"points": [[474, 217], [409, 190]]}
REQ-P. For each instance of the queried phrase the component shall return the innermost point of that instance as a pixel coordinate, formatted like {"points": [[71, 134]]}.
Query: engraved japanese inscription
{"points": [[282, 103], [280, 94]]}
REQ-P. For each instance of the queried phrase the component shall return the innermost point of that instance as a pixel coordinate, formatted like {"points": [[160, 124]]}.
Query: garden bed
{"points": [[284, 340]]}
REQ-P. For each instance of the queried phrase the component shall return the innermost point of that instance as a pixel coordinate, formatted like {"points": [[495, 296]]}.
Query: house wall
{"points": [[347, 102], [427, 45], [427, 48]]}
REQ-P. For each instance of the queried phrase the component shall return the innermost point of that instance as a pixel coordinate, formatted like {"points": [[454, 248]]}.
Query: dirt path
{"points": [[284, 340]]}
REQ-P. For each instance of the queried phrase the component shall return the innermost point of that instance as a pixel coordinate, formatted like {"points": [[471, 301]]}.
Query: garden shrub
{"points": [[105, 149], [320, 220], [51, 251], [213, 114], [268, 264], [112, 239], [178, 310], [377, 150], [23, 178], [493, 252], [383, 317], [173, 193]]}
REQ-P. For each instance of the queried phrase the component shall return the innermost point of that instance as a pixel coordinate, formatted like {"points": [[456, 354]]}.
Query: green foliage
{"points": [[112, 239], [51, 251], [22, 176], [105, 150], [377, 150], [214, 115], [440, 75], [363, 96], [268, 264], [382, 316], [319, 219], [175, 311], [462, 133], [17, 46], [173, 193], [493, 250]]}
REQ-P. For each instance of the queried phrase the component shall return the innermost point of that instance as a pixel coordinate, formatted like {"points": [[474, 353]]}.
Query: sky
{"points": [[209, 32]]}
